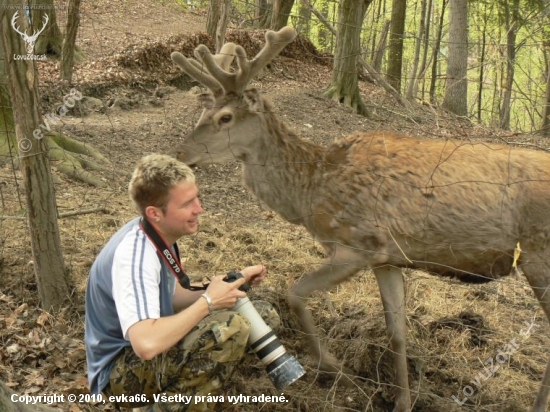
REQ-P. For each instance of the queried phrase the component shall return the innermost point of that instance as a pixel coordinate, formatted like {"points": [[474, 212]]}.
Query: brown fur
{"points": [[384, 201]]}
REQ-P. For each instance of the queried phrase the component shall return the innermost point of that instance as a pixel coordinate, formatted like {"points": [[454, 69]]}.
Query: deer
{"points": [[377, 200], [29, 40]]}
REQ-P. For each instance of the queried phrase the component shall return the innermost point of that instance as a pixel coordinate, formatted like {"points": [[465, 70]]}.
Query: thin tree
{"points": [[424, 65], [303, 24], [456, 90], [324, 35], [49, 267], [262, 13], [377, 16], [344, 86], [511, 17], [213, 17], [483, 29], [73, 21], [545, 128], [412, 87], [395, 47], [221, 28], [437, 46], [381, 48]]}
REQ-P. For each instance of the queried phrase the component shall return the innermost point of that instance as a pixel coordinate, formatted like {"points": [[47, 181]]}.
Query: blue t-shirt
{"points": [[128, 283]]}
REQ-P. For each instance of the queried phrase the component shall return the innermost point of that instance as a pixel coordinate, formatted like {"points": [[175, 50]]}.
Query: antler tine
{"points": [[225, 56], [196, 69], [216, 70], [237, 82], [275, 42], [197, 72], [217, 76]]}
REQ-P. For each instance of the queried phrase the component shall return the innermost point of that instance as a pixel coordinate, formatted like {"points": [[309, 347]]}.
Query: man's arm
{"points": [[150, 337], [184, 298]]}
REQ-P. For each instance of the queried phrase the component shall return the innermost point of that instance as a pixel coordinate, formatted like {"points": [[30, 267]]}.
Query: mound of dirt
{"points": [[155, 56]]}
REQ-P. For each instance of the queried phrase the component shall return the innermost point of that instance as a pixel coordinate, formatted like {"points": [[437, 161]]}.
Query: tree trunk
{"points": [[262, 13], [323, 35], [73, 20], [6, 404], [395, 47], [437, 47], [379, 54], [425, 62], [512, 25], [280, 14], [304, 20], [49, 267], [545, 129], [344, 86], [482, 63], [50, 41], [456, 90], [213, 17], [411, 90], [222, 24]]}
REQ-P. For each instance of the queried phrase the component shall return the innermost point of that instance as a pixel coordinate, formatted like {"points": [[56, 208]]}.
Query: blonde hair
{"points": [[153, 178]]}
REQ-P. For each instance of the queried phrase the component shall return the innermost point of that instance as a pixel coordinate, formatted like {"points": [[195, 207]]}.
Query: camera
{"points": [[282, 368]]}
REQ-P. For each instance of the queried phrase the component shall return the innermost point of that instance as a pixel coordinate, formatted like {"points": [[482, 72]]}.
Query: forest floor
{"points": [[146, 106]]}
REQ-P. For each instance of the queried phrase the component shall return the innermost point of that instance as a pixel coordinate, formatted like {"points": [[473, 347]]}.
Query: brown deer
{"points": [[381, 200]]}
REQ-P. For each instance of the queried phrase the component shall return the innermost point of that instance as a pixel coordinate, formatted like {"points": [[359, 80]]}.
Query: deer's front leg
{"points": [[340, 267], [392, 291]]}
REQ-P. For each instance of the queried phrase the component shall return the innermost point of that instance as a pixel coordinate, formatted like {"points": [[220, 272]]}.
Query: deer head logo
{"points": [[29, 40]]}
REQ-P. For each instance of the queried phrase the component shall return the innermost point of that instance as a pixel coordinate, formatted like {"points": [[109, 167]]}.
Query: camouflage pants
{"points": [[198, 365]]}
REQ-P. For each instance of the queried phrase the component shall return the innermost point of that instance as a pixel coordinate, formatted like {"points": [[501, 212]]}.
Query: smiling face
{"points": [[180, 217]]}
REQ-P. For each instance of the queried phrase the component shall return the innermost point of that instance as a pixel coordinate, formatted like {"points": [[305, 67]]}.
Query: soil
{"points": [[147, 105]]}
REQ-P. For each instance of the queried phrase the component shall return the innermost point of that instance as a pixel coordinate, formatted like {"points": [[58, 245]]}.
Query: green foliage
{"points": [[487, 24]]}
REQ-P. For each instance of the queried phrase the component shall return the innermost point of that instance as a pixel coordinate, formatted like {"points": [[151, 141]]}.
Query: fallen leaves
{"points": [[47, 352]]}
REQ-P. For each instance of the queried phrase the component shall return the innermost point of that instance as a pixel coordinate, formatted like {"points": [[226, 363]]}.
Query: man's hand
{"points": [[224, 295], [254, 275]]}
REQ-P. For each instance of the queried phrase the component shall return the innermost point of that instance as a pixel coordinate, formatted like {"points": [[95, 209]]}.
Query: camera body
{"points": [[282, 368], [232, 276]]}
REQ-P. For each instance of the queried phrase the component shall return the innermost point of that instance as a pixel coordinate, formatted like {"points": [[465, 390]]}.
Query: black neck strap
{"points": [[165, 254]]}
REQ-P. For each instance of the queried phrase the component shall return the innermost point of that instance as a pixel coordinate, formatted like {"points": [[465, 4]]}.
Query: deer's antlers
{"points": [[213, 71]]}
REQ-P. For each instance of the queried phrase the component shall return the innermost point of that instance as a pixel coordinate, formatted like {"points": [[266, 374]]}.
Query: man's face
{"points": [[182, 211]]}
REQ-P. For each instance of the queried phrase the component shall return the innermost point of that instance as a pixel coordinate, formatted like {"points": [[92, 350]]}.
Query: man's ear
{"points": [[153, 213]]}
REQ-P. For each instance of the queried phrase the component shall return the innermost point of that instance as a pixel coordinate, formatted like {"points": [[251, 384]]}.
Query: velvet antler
{"points": [[213, 71]]}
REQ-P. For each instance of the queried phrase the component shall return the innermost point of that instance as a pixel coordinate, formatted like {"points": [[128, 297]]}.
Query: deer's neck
{"points": [[283, 170]]}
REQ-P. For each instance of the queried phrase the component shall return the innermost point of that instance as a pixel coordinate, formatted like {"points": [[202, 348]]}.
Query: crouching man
{"points": [[148, 331]]}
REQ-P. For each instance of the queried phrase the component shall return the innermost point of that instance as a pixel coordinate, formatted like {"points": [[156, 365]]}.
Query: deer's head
{"points": [[29, 40], [230, 110]]}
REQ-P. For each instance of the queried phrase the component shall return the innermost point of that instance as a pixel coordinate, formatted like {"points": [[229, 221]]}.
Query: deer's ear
{"points": [[206, 100], [253, 99]]}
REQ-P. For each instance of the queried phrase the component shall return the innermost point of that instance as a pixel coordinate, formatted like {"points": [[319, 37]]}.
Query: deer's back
{"points": [[459, 203]]}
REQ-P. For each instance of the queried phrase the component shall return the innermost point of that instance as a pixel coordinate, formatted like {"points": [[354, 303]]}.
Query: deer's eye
{"points": [[226, 118]]}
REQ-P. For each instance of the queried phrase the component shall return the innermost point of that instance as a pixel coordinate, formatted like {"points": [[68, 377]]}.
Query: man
{"points": [[145, 333]]}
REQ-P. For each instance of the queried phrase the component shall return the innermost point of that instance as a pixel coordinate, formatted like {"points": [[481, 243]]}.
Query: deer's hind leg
{"points": [[342, 265], [536, 267]]}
